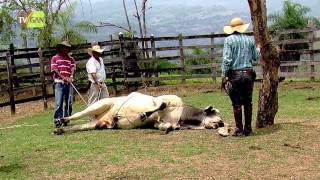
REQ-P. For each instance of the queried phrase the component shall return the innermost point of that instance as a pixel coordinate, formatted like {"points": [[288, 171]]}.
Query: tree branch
{"points": [[107, 24]]}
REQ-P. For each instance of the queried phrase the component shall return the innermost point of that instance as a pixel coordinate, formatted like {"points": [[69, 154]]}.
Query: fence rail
{"points": [[18, 76]]}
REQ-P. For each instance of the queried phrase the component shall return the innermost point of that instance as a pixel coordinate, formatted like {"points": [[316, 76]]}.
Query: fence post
{"points": [[154, 59], [122, 54], [10, 82], [312, 68], [113, 75], [183, 67], [213, 69], [43, 79], [13, 70]]}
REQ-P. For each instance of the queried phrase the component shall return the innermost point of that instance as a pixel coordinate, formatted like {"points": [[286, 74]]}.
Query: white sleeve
{"points": [[91, 67]]}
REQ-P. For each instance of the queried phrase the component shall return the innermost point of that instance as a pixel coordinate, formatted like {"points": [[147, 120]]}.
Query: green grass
{"points": [[289, 149]]}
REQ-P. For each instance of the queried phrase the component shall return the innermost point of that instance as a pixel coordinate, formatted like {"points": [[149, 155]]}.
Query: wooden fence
{"points": [[25, 73]]}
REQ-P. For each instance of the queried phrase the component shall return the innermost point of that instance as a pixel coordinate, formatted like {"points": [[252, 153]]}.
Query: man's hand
{"points": [[98, 85], [68, 79], [223, 83]]}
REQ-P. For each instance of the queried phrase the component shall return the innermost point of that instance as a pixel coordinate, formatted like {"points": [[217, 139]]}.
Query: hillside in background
{"points": [[167, 17]]}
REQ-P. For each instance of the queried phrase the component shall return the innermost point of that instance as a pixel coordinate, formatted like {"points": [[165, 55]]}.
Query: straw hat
{"points": [[65, 43], [95, 48], [237, 25]]}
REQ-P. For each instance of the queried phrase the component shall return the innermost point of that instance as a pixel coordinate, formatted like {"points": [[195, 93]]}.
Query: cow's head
{"points": [[212, 119]]}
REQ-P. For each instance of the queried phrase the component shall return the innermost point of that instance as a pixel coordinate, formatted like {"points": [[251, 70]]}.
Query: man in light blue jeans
{"points": [[63, 67]]}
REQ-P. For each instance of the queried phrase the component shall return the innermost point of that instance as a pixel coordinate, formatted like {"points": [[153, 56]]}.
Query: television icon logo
{"points": [[32, 19]]}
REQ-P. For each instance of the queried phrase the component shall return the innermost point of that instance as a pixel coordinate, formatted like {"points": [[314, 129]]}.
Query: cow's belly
{"points": [[132, 122], [127, 111]]}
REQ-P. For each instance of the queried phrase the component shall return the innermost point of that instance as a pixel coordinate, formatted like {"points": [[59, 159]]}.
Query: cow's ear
{"points": [[208, 109]]}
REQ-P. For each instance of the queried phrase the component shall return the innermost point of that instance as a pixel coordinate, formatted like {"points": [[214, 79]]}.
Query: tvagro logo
{"points": [[32, 19]]}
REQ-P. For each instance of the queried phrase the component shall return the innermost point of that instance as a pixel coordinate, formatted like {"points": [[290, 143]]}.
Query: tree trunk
{"points": [[140, 26], [268, 95], [126, 13]]}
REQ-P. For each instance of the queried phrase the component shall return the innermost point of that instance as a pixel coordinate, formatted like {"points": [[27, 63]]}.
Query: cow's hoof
{"points": [[58, 131], [57, 123], [65, 122], [167, 131]]}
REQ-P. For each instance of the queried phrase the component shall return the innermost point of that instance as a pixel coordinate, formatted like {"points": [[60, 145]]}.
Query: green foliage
{"points": [[293, 16], [58, 23], [166, 65], [190, 61], [70, 32], [7, 21]]}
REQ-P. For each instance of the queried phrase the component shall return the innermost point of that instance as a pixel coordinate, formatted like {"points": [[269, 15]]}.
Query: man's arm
{"points": [[96, 82], [256, 51], [227, 58], [226, 62]]}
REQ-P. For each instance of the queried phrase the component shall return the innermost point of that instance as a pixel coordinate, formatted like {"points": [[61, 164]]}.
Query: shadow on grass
{"points": [[10, 168], [268, 130], [276, 127]]}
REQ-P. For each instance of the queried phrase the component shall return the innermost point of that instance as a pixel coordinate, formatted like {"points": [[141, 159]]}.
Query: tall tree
{"points": [[127, 17], [292, 16], [73, 32], [268, 94]]}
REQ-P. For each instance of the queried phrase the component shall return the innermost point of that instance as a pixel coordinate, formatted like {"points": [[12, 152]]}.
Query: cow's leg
{"points": [[82, 127], [166, 127], [145, 115], [92, 110]]}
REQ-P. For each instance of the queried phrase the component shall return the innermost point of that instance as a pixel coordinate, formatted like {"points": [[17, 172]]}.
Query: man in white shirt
{"points": [[96, 75]]}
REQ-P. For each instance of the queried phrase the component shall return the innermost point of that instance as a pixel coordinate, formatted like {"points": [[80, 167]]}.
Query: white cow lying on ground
{"points": [[137, 110]]}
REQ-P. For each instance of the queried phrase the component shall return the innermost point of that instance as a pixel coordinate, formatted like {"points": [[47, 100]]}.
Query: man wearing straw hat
{"points": [[237, 72], [96, 75], [63, 68]]}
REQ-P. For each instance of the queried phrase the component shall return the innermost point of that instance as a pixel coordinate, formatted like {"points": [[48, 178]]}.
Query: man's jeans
{"points": [[62, 91]]}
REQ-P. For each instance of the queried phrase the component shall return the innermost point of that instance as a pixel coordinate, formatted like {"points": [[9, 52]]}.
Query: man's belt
{"points": [[58, 80], [248, 72]]}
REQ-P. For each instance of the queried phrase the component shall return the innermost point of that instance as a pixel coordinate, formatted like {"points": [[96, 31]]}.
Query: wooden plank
{"points": [[21, 101], [154, 58], [26, 55], [202, 66], [291, 31], [293, 41], [139, 79], [27, 66], [299, 74], [43, 80], [10, 83], [212, 57], [299, 63], [183, 70], [312, 67]]}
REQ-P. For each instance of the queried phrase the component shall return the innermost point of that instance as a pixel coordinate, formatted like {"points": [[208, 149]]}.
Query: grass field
{"points": [[289, 149]]}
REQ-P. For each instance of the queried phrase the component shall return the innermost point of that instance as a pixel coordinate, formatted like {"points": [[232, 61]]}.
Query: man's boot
{"points": [[237, 112], [248, 119]]}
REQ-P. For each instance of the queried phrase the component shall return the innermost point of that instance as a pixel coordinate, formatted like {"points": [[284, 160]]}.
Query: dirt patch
{"points": [[23, 110]]}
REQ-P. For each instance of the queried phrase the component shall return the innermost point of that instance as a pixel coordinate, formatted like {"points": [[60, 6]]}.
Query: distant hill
{"points": [[171, 17]]}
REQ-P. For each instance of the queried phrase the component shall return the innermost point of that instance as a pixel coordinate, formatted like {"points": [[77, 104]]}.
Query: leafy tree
{"points": [[293, 16], [73, 32], [58, 15]]}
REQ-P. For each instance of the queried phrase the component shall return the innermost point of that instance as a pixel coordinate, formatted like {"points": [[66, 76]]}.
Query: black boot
{"points": [[248, 118], [237, 112]]}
